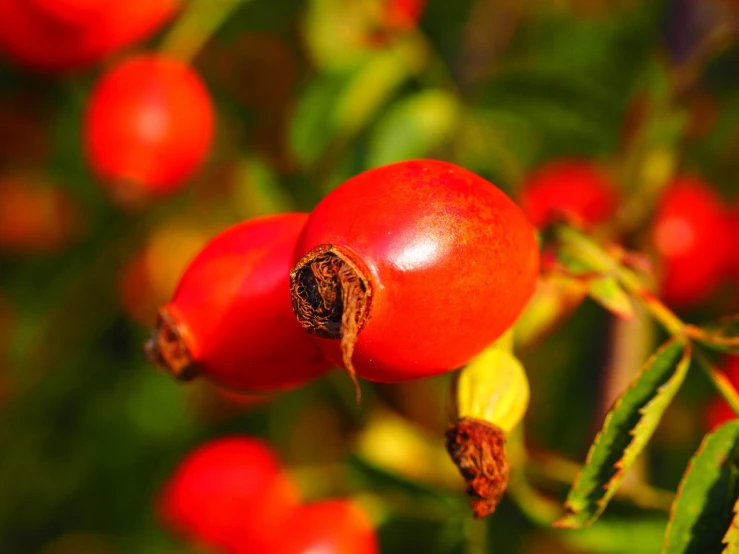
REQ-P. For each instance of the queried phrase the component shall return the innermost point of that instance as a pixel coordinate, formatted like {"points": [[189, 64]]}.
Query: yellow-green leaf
{"points": [[607, 292], [703, 508], [626, 430]]}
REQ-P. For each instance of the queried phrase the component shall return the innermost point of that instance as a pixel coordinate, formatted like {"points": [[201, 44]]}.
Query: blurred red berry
{"points": [[734, 239], [55, 35], [148, 127], [229, 492], [403, 14], [35, 217], [690, 235], [328, 527], [231, 316], [575, 189]]}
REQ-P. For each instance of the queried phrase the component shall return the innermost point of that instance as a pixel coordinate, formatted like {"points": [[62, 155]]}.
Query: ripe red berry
{"points": [[575, 189], [328, 527], [229, 492], [54, 35], [417, 266], [230, 318], [148, 126], [690, 235]]}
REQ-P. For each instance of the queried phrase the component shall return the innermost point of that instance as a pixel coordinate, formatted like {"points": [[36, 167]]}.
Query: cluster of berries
{"points": [[691, 232]]}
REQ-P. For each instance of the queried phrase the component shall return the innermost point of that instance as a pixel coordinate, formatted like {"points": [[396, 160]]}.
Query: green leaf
{"points": [[731, 539], [414, 127], [722, 335], [702, 510], [607, 292], [626, 430]]}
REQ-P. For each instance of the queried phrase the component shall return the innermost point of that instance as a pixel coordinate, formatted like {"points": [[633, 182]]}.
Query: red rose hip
{"points": [[416, 266], [148, 127], [230, 318], [328, 527], [576, 189], [229, 492], [690, 233], [59, 35]]}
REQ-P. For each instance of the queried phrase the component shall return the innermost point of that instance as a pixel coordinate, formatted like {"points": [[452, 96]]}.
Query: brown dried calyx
{"points": [[478, 450], [168, 350], [331, 297]]}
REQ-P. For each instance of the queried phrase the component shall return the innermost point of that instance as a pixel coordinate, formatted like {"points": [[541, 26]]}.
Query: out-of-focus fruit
{"points": [[148, 127], [691, 238], [575, 189], [227, 493], [58, 35]]}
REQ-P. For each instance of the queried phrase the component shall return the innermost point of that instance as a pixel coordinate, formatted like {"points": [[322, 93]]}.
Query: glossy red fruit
{"points": [[575, 189], [416, 266], [228, 492], [329, 527], [230, 318], [57, 35], [691, 238], [148, 127]]}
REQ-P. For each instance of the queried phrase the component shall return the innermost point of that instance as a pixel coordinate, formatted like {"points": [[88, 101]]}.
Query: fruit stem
{"points": [[196, 25], [719, 379], [585, 250]]}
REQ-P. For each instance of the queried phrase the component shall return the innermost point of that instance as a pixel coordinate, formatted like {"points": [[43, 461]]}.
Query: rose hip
{"points": [[411, 269], [230, 318]]}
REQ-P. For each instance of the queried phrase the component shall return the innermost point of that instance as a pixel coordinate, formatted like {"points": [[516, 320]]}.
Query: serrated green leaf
{"points": [[626, 430], [731, 539], [722, 335], [702, 510], [413, 127], [607, 292]]}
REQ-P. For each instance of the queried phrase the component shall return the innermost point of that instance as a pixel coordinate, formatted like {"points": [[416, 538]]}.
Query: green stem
{"points": [[582, 248], [196, 25], [719, 379], [476, 532]]}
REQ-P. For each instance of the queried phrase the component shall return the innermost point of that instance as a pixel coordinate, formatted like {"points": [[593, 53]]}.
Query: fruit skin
{"points": [[691, 237], [328, 527], [576, 189], [734, 239], [232, 308], [31, 34], [450, 259], [148, 126], [228, 492]]}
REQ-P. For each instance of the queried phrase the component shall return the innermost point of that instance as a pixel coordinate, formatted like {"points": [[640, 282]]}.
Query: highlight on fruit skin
{"points": [[230, 319], [489, 399], [411, 269]]}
